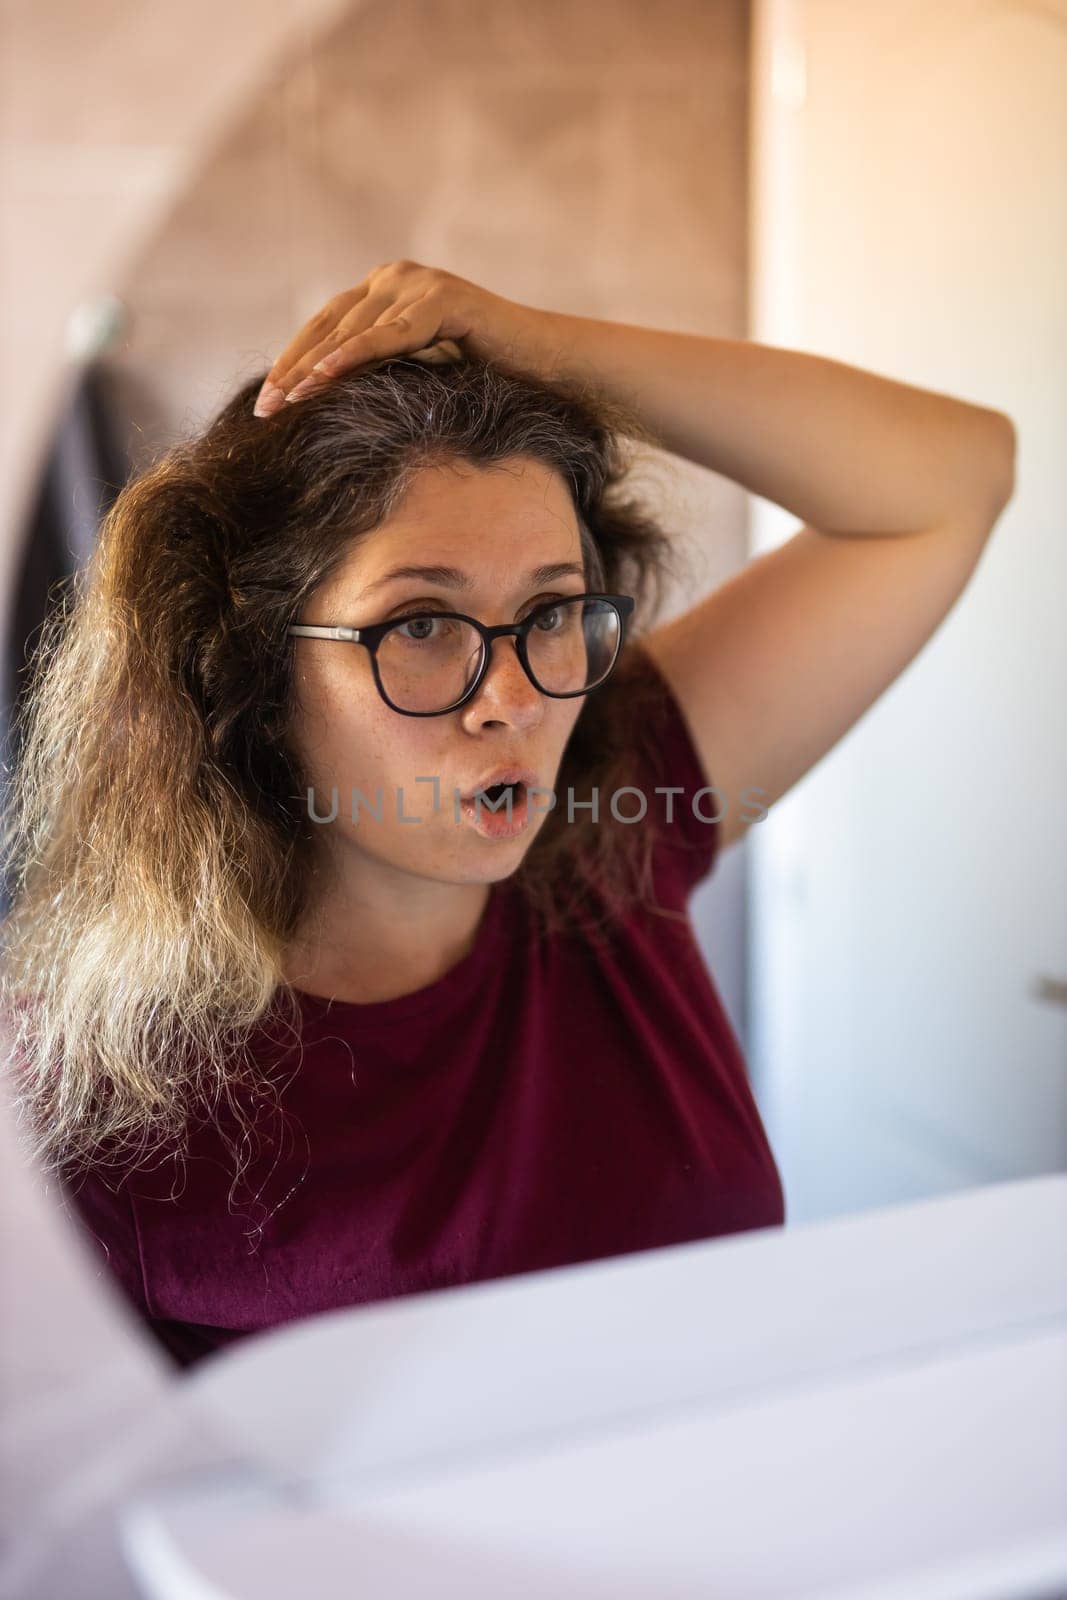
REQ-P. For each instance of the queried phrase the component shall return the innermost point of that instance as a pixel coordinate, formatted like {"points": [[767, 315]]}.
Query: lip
{"points": [[521, 775]]}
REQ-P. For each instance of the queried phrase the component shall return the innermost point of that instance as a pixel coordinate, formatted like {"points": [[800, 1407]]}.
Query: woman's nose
{"points": [[505, 676]]}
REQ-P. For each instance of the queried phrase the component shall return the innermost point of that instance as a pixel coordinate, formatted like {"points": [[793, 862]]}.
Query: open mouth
{"points": [[497, 792], [500, 811]]}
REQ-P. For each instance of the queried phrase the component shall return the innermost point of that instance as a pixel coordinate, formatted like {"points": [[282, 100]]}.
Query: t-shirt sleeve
{"points": [[687, 818]]}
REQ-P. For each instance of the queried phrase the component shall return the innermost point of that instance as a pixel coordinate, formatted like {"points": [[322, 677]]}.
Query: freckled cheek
{"points": [[372, 747], [429, 799], [340, 733]]}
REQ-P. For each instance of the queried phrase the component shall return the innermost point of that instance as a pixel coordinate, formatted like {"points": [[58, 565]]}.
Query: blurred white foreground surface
{"points": [[870, 1407]]}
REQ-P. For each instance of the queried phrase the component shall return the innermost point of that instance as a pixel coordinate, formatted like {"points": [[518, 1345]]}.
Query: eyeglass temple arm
{"points": [[314, 630]]}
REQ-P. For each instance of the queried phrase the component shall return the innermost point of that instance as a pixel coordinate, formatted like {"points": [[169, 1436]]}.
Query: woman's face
{"points": [[494, 526]]}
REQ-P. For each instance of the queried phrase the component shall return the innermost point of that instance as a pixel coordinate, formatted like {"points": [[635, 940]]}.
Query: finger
{"points": [[391, 337], [416, 324], [375, 310], [272, 397], [311, 336], [315, 330], [395, 334]]}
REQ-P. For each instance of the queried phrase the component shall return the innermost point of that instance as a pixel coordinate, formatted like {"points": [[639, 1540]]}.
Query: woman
{"points": [[297, 1026]]}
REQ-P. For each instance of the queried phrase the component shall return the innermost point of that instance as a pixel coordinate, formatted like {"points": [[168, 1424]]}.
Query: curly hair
{"points": [[156, 851]]}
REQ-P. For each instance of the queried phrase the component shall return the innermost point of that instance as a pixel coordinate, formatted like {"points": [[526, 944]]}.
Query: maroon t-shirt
{"points": [[541, 1104]]}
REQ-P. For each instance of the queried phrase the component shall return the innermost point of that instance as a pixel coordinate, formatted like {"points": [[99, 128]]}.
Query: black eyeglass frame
{"points": [[372, 637]]}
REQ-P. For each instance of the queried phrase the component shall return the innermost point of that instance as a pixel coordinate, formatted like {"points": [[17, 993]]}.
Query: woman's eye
{"points": [[419, 628]]}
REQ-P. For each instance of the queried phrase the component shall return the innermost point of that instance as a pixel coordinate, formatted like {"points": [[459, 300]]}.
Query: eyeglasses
{"points": [[427, 663]]}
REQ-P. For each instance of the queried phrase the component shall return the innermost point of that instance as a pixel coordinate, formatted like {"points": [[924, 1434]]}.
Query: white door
{"points": [[910, 895]]}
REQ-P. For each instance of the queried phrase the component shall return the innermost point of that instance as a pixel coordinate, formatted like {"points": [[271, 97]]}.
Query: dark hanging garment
{"points": [[85, 467]]}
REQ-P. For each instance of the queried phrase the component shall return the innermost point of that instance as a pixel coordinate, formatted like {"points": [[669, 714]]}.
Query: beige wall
{"points": [[909, 897]]}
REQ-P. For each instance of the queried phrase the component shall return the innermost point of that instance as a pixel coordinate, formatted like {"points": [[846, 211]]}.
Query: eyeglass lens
{"points": [[427, 663]]}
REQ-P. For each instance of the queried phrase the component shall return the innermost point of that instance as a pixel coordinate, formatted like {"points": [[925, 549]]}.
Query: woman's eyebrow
{"points": [[454, 578]]}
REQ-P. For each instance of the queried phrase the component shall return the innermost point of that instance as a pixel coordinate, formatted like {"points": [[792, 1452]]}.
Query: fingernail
{"points": [[268, 400], [303, 388]]}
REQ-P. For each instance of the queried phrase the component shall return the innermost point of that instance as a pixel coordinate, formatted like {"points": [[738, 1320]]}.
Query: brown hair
{"points": [[157, 849]]}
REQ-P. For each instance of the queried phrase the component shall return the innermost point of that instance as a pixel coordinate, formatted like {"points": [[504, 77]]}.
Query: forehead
{"points": [[489, 527]]}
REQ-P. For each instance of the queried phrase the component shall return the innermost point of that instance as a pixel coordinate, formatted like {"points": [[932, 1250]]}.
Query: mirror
{"points": [[876, 976]]}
